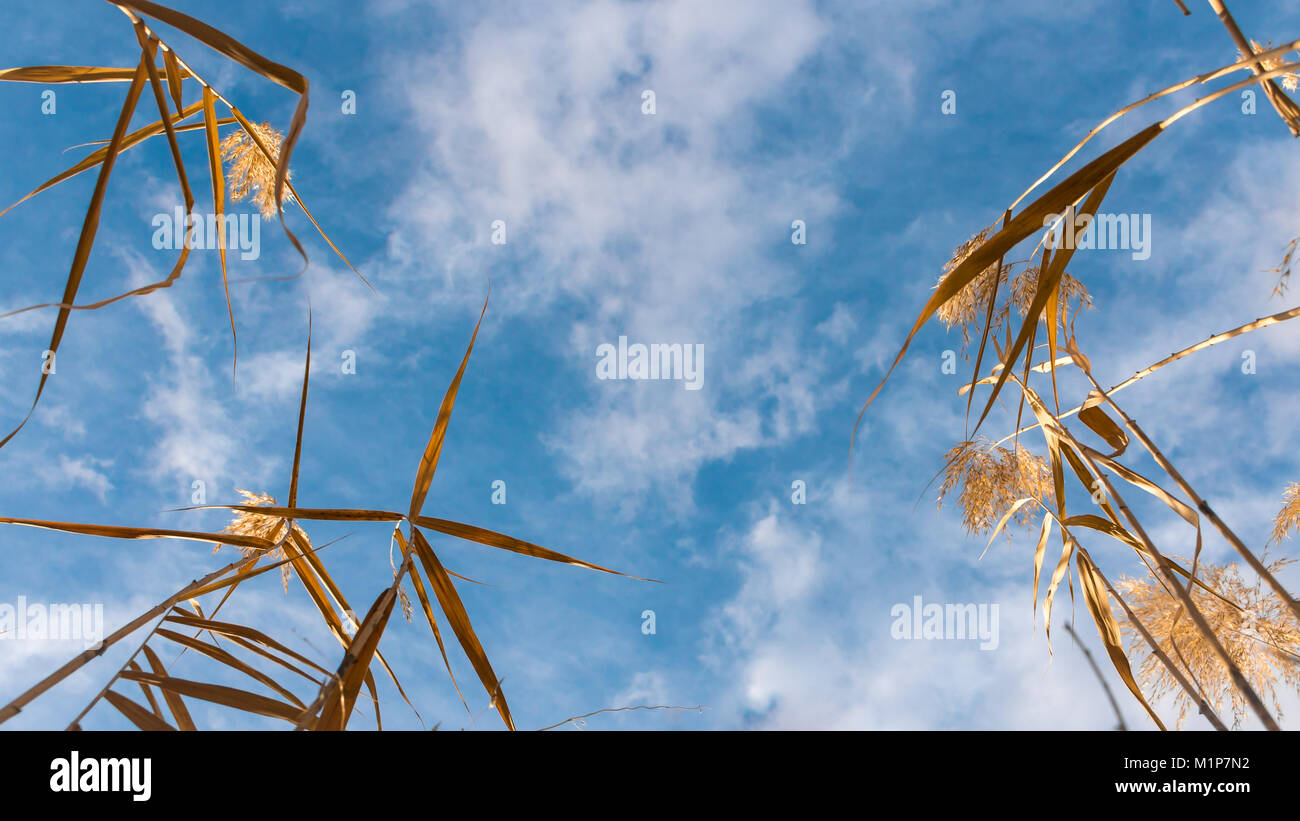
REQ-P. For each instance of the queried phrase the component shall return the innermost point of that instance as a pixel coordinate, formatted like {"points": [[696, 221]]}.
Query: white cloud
{"points": [[197, 438], [272, 376], [806, 640], [656, 223], [84, 472], [840, 326], [648, 688]]}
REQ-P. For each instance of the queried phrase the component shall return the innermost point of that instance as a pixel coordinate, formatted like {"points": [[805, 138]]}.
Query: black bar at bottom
{"points": [[922, 769]]}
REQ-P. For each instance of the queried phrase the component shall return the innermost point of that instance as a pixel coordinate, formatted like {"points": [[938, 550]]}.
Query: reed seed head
{"points": [[249, 174], [968, 308], [1025, 286], [263, 526], [1253, 625], [992, 479], [1288, 518]]}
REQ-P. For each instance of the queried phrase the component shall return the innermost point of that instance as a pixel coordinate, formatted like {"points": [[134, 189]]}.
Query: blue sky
{"points": [[666, 228]]}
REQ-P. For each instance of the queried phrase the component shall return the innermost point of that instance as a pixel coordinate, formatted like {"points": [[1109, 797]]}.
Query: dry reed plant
{"points": [[265, 176], [1178, 610], [265, 534], [262, 530]]}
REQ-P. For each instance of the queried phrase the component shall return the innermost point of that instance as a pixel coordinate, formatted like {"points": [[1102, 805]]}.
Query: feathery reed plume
{"points": [[968, 309], [250, 173], [1025, 287], [993, 479], [263, 526], [1252, 624], [1288, 518]]}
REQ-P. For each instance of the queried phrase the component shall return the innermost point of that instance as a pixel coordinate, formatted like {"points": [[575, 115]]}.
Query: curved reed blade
{"points": [[1039, 551], [1049, 279], [429, 460], [138, 715], [166, 282], [302, 416], [1041, 367], [176, 126], [1099, 423], [173, 275], [1053, 313], [988, 322], [423, 596], [253, 648], [293, 192], [117, 532], [504, 542], [318, 567], [325, 514], [174, 75], [244, 575], [219, 209], [307, 574], [1006, 517], [1102, 525], [89, 227], [1209, 76], [174, 702], [46, 75], [236, 632], [1062, 567], [217, 654], [1094, 593], [337, 709], [164, 117], [219, 694], [1184, 510], [454, 610], [144, 688]]}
